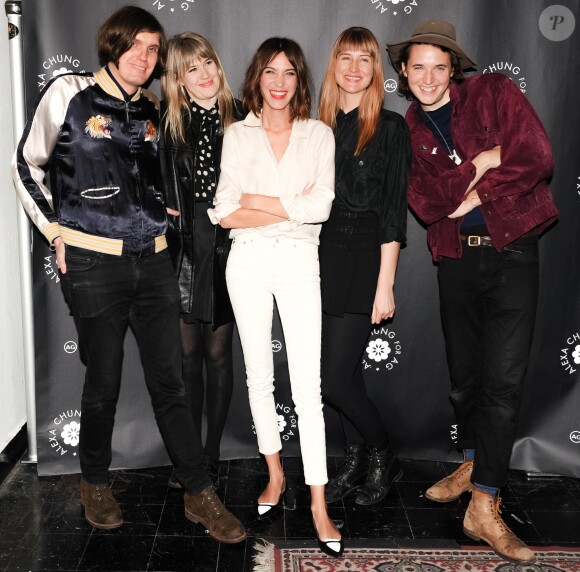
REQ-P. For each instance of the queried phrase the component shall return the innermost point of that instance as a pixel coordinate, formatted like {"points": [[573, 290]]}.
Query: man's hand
{"points": [[59, 251], [172, 212], [489, 159], [470, 201]]}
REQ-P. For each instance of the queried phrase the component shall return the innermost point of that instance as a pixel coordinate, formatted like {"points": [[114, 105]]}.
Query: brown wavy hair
{"points": [[369, 110], [182, 51], [403, 89], [118, 33], [252, 96]]}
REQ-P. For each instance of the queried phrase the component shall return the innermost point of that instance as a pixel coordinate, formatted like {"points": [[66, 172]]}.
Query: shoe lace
{"points": [[211, 499], [460, 471], [497, 517], [377, 460], [103, 492], [348, 465]]}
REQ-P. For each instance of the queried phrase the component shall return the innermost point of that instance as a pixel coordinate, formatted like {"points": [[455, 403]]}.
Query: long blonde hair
{"points": [[182, 51], [369, 110]]}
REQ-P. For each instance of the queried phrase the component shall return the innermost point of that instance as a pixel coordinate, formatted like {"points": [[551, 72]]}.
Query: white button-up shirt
{"points": [[249, 166]]}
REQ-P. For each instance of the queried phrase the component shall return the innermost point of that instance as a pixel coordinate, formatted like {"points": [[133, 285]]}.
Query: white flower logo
{"points": [[395, 1], [60, 71], [281, 423], [378, 350], [70, 433], [576, 354]]}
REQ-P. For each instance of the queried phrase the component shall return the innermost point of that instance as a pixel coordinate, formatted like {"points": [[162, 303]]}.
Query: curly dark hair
{"points": [[403, 90]]}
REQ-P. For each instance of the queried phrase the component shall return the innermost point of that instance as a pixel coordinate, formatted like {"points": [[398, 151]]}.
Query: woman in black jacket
{"points": [[359, 251], [198, 107]]}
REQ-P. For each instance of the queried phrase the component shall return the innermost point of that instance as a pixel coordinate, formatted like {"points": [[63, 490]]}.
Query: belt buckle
{"points": [[474, 240], [349, 229]]}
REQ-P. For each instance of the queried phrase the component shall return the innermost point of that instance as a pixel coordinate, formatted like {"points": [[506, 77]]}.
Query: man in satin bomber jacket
{"points": [[97, 134]]}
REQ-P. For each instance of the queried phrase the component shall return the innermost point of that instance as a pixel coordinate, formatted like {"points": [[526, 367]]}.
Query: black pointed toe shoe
{"points": [[331, 546], [268, 509]]}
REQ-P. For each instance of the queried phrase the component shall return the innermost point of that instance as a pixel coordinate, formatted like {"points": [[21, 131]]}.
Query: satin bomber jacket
{"points": [[488, 110], [101, 153]]}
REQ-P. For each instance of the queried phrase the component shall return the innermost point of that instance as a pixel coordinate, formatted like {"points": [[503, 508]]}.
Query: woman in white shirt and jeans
{"points": [[276, 187]]}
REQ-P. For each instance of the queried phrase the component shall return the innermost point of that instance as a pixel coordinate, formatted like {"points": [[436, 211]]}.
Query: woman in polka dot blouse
{"points": [[198, 107]]}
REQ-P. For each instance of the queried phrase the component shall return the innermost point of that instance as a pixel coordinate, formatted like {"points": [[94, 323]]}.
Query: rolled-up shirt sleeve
{"points": [[227, 197], [315, 207]]}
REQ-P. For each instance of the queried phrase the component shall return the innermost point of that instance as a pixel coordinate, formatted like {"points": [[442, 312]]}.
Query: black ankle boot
{"points": [[350, 475], [384, 471]]}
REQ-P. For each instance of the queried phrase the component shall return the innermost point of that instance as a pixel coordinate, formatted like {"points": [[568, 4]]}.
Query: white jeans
{"points": [[260, 270]]}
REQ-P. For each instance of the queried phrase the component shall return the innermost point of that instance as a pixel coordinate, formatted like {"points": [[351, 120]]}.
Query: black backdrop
{"points": [[534, 42]]}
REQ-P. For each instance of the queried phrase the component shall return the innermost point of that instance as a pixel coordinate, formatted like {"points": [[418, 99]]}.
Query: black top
{"points": [[439, 122], [177, 165], [375, 180], [205, 171]]}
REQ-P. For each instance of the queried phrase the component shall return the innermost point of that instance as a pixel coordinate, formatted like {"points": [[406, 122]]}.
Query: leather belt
{"points": [[476, 240]]}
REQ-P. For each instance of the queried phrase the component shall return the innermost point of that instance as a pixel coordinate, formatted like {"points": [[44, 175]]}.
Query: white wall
{"points": [[12, 395]]}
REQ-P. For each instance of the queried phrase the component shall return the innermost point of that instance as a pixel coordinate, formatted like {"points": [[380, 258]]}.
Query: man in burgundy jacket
{"points": [[481, 162]]}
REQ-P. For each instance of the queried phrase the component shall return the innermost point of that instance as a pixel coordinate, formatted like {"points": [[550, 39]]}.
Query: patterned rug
{"points": [[271, 558]]}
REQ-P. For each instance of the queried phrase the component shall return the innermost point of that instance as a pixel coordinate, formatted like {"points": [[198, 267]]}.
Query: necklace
{"points": [[451, 154]]}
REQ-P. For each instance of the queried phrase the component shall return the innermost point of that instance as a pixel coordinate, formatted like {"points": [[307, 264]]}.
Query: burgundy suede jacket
{"points": [[488, 110]]}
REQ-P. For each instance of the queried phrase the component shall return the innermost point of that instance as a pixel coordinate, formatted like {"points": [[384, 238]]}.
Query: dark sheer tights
{"points": [[202, 345], [343, 387]]}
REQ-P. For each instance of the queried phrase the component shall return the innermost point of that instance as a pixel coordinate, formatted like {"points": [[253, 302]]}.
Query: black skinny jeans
{"points": [[107, 294], [488, 308], [343, 387]]}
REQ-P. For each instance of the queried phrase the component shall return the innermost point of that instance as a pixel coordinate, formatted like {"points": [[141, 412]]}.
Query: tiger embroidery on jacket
{"points": [[98, 127], [150, 132]]}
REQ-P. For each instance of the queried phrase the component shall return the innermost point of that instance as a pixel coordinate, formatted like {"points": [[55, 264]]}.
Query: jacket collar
{"points": [[455, 94], [299, 127], [110, 86]]}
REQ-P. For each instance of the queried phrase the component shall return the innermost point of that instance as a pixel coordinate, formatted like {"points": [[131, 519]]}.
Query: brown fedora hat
{"points": [[436, 32]]}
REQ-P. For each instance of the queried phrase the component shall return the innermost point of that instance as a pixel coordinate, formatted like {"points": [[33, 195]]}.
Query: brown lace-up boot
{"points": [[101, 508], [207, 508], [483, 522], [452, 487]]}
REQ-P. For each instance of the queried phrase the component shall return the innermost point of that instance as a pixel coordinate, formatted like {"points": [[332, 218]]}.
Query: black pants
{"points": [[343, 387], [107, 294], [488, 308]]}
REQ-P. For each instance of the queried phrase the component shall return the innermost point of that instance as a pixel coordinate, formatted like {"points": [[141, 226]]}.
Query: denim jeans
{"points": [[488, 307], [108, 294]]}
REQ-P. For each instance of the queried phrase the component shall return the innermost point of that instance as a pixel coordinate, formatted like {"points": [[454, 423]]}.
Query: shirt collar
{"points": [[299, 127], [110, 85]]}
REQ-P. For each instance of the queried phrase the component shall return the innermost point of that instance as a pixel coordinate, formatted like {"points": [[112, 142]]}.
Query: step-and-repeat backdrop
{"points": [[534, 42]]}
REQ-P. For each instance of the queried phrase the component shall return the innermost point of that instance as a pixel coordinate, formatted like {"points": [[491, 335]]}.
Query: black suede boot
{"points": [[350, 475], [384, 471]]}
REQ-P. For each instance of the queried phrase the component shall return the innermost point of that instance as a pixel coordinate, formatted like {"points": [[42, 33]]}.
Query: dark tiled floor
{"points": [[42, 526]]}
